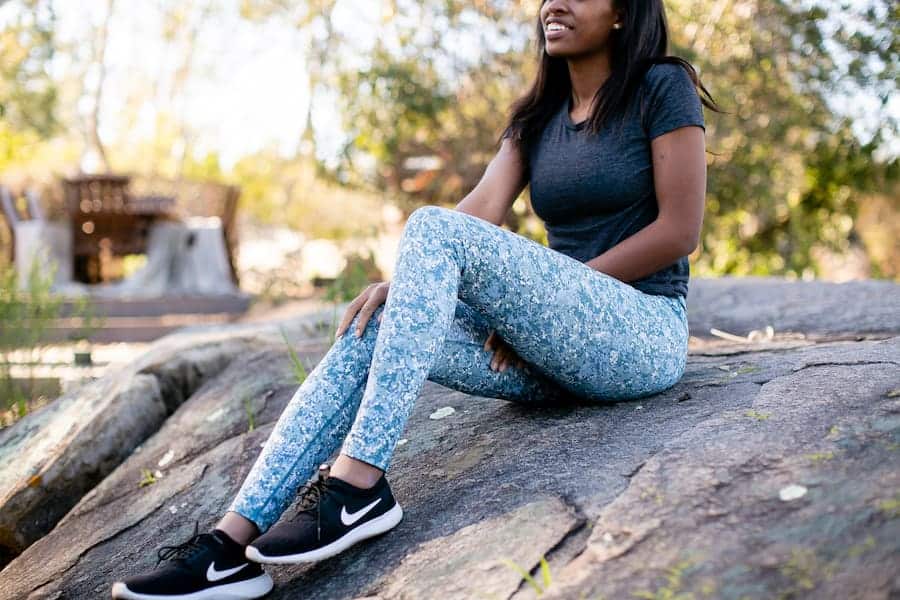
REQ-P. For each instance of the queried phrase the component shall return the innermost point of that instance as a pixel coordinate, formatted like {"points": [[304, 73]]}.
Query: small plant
{"points": [[859, 549], [352, 280], [890, 507], [819, 456], [27, 310], [299, 370], [147, 478], [545, 574], [672, 589], [805, 570], [251, 420], [759, 416], [25, 316]]}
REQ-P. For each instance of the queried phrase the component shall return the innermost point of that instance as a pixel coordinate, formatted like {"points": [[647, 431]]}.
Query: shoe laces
{"points": [[311, 495], [183, 551]]}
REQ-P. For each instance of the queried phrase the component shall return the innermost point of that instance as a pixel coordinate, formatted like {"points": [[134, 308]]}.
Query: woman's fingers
{"points": [[364, 315], [377, 298], [351, 311], [508, 358], [381, 294], [501, 358], [489, 342], [504, 356], [368, 300]]}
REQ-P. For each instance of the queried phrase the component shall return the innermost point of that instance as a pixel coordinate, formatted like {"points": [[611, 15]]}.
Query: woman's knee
{"points": [[428, 218]]}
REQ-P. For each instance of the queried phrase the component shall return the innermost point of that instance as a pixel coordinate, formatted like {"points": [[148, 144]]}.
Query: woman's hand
{"points": [[504, 355], [365, 304]]}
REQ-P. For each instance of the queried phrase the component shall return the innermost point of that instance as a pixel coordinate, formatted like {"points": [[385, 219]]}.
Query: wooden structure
{"points": [[147, 319], [106, 218], [113, 213]]}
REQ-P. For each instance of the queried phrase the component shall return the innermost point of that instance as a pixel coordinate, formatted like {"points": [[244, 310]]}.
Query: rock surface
{"points": [[770, 470], [50, 459]]}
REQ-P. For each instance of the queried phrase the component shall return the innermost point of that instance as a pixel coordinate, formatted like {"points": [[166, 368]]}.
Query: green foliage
{"points": [[804, 571], [27, 92], [25, 317], [147, 478], [293, 191], [348, 285], [817, 457], [298, 369], [251, 418], [759, 416], [891, 506], [351, 280], [545, 574], [787, 175], [789, 180], [672, 589]]}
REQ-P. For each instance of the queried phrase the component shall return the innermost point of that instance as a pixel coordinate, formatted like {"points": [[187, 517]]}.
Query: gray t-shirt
{"points": [[592, 192]]}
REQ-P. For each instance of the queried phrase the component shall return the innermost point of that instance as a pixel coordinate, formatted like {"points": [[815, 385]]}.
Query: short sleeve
{"points": [[670, 100]]}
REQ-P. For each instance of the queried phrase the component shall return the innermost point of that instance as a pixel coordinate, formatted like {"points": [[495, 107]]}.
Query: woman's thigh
{"points": [[463, 364], [591, 333]]}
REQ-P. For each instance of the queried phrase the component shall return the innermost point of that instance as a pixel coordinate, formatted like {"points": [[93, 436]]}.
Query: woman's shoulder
{"points": [[659, 73]]}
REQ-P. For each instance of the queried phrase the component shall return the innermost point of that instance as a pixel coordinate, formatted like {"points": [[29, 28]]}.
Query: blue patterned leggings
{"points": [[582, 334]]}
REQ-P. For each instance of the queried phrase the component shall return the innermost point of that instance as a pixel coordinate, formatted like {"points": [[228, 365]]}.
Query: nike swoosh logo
{"points": [[349, 519], [213, 575]]}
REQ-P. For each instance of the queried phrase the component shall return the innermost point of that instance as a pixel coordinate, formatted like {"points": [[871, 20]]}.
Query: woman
{"points": [[612, 144]]}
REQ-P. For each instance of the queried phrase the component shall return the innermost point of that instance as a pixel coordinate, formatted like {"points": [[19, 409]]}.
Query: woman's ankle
{"points": [[238, 528], [355, 472]]}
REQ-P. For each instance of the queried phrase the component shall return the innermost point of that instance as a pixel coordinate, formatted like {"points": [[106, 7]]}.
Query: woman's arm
{"points": [[679, 175], [502, 182]]}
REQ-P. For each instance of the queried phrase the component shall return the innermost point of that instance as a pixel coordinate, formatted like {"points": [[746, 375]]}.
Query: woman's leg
{"points": [[597, 337], [320, 414]]}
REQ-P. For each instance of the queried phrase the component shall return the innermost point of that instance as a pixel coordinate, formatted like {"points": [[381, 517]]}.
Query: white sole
{"points": [[374, 527], [241, 590]]}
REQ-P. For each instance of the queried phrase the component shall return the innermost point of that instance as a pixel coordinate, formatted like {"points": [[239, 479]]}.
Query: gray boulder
{"points": [[771, 469], [53, 457]]}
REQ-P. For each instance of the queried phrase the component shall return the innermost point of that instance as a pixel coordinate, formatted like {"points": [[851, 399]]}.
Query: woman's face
{"points": [[577, 27]]}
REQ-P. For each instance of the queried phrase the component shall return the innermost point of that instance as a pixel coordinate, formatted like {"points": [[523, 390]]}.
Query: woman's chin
{"points": [[557, 50]]}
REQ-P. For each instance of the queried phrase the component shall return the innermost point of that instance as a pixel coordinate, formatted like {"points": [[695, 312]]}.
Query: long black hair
{"points": [[641, 42]]}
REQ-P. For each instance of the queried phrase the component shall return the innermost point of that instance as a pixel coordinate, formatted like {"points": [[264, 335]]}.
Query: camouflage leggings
{"points": [[583, 334]]}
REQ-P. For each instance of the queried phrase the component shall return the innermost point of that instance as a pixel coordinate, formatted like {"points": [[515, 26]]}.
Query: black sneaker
{"points": [[209, 565], [334, 515]]}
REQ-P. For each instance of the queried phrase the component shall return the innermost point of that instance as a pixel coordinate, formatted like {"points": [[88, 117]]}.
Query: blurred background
{"points": [[204, 161]]}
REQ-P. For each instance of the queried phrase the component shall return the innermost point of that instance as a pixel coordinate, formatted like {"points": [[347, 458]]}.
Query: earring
{"points": [[617, 26]]}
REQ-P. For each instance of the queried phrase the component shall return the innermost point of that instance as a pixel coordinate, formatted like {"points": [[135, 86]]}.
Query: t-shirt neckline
{"points": [[568, 119]]}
